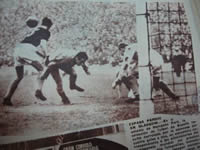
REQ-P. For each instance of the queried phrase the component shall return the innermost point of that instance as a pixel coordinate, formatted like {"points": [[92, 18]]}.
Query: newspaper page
{"points": [[99, 75]]}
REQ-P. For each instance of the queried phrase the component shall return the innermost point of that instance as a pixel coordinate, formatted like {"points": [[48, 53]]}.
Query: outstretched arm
{"points": [[85, 68]]}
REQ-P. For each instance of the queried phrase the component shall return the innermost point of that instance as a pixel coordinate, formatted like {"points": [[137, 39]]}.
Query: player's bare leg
{"points": [[14, 85], [40, 82], [38, 92], [56, 76]]}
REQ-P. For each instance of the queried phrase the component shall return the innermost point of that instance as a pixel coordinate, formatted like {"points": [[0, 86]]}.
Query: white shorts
{"points": [[26, 51]]}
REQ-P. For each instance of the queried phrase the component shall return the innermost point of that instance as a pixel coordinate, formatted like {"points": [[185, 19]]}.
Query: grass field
{"points": [[98, 105]]}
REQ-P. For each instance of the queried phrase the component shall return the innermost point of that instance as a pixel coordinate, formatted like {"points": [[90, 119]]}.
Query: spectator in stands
{"points": [[178, 61]]}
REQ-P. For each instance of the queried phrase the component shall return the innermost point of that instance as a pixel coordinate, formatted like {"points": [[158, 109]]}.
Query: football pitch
{"points": [[98, 105]]}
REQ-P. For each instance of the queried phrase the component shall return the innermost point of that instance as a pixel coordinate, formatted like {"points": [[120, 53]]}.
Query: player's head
{"points": [[80, 58], [122, 47], [47, 22], [32, 21]]}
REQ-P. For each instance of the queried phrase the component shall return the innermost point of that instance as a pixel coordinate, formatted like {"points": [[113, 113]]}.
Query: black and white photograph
{"points": [[70, 65], [59, 63], [172, 67]]}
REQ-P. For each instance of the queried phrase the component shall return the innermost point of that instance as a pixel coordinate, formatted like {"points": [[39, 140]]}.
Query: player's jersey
{"points": [[156, 62], [156, 59], [66, 64], [130, 60], [37, 36], [130, 53], [129, 65]]}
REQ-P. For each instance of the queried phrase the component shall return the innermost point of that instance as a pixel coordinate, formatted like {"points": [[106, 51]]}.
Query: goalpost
{"points": [[146, 106]]}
